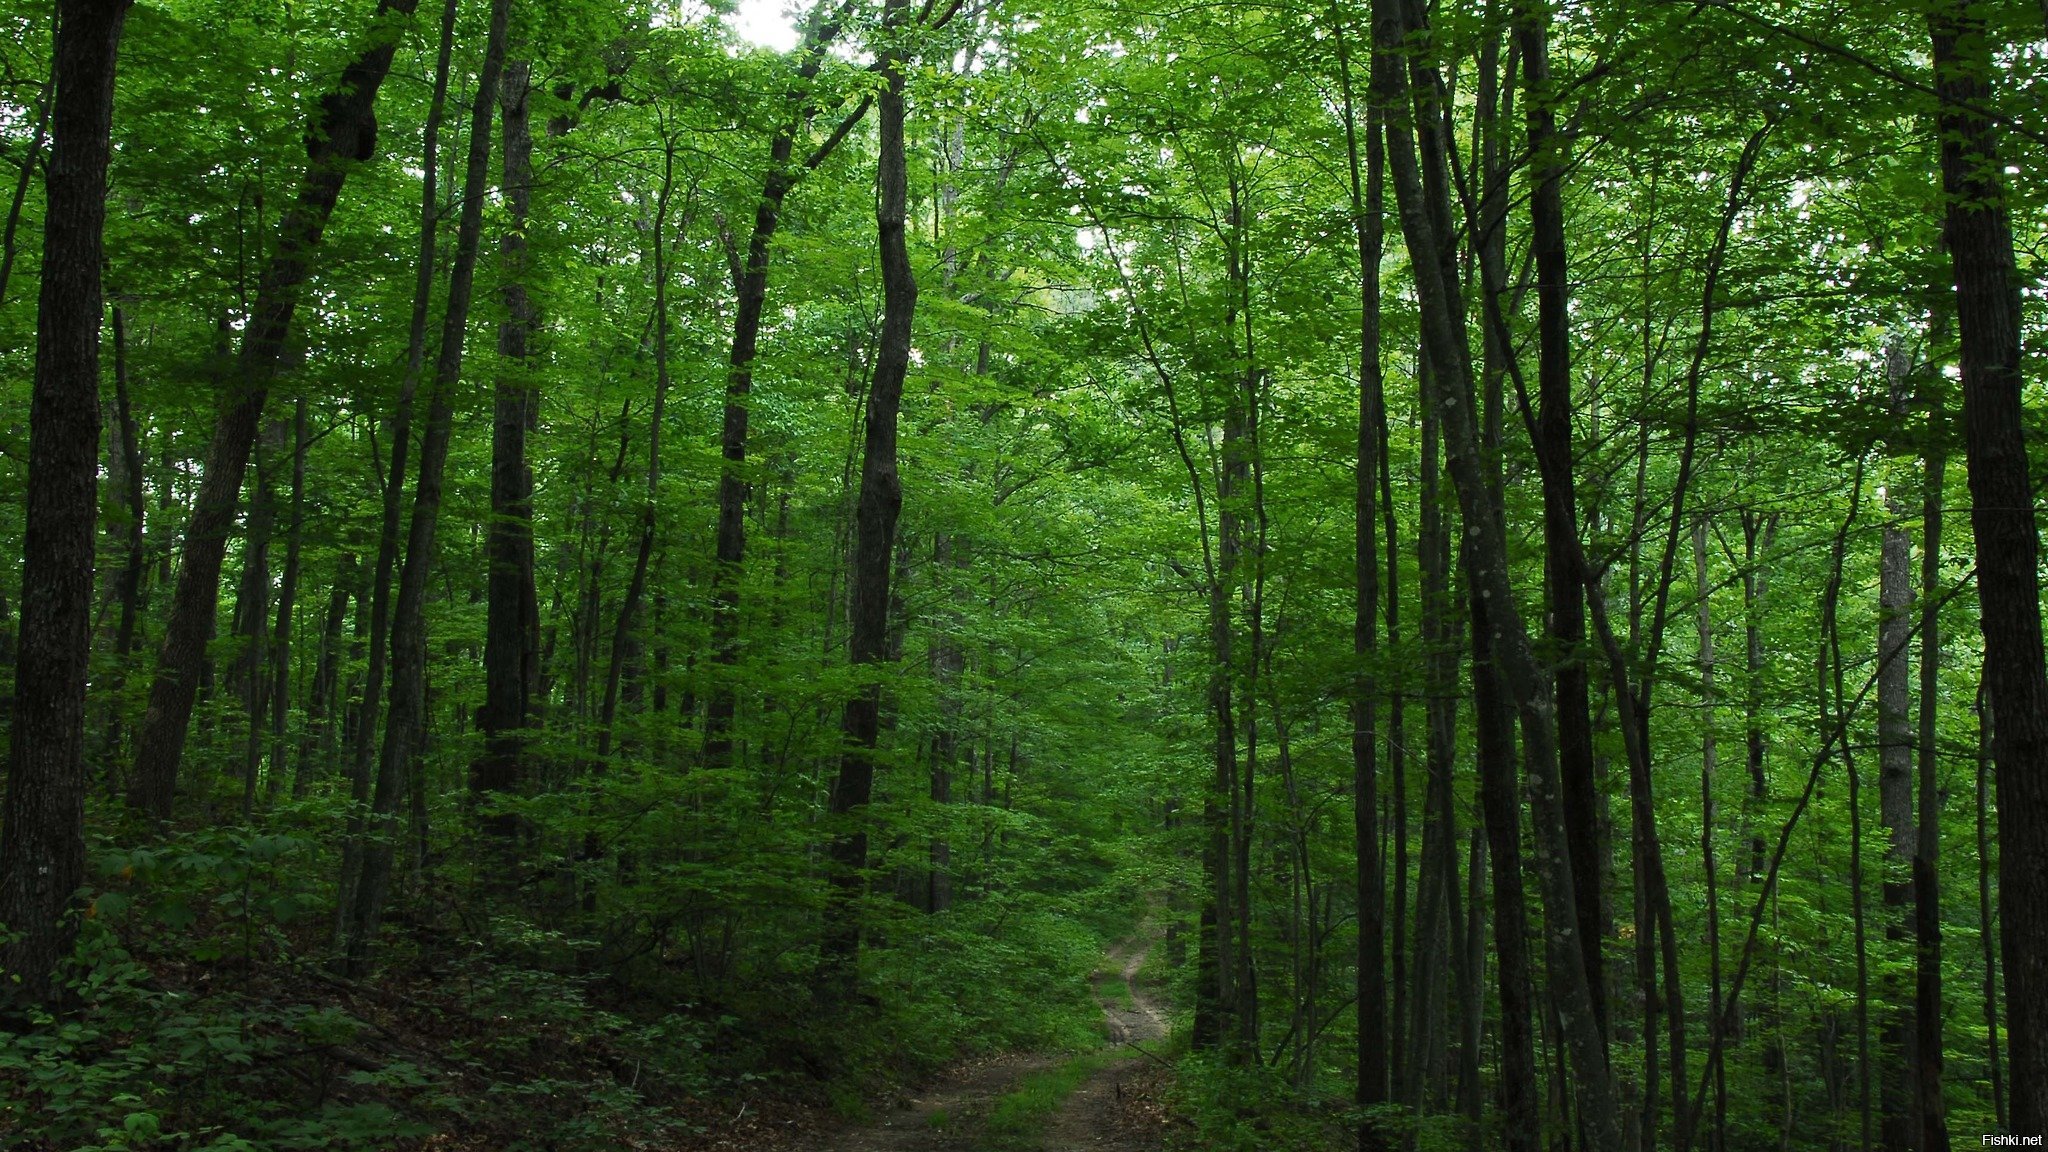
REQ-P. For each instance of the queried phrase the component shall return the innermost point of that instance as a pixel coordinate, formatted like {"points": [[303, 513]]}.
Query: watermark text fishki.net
{"points": [[2000, 1140]]}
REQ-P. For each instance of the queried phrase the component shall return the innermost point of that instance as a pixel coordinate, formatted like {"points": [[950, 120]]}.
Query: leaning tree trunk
{"points": [[1443, 326], [344, 133], [881, 498], [751, 290], [42, 828], [405, 728], [1979, 238]]}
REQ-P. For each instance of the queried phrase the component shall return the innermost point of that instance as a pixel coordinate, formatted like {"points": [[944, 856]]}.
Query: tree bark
{"points": [[1979, 239], [881, 499], [42, 828], [405, 727], [1930, 1106], [512, 626], [1898, 1127], [1443, 326]]}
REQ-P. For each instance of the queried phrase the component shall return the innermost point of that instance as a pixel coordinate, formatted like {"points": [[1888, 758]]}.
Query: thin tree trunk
{"points": [[1709, 810], [1564, 581], [636, 588], [881, 499], [751, 290], [287, 600], [1444, 330], [21, 184], [1898, 1126], [1994, 1070], [344, 133], [132, 571], [42, 827], [1494, 722], [511, 651], [405, 728], [321, 705], [1368, 209], [1929, 1048]]}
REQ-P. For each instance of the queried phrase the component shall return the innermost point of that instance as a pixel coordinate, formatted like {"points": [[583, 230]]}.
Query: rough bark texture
{"points": [[344, 134], [42, 829], [1929, 1104], [1898, 1127], [1979, 237]]}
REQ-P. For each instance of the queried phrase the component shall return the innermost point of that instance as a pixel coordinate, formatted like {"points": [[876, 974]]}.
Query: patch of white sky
{"points": [[765, 23]]}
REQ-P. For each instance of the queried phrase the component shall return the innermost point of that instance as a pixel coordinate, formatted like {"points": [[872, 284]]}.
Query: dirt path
{"points": [[1095, 1117], [948, 1116]]}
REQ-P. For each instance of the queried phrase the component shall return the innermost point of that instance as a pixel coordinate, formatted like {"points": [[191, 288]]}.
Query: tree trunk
{"points": [[1710, 768], [751, 290], [1929, 1104], [42, 829], [881, 499], [1368, 211], [21, 183], [344, 134], [1979, 240], [1443, 325], [1564, 582], [405, 728], [511, 651], [321, 705], [133, 569], [1494, 723], [1898, 1128], [287, 601]]}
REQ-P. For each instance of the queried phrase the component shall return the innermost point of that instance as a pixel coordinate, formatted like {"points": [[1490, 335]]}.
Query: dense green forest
{"points": [[1010, 574]]}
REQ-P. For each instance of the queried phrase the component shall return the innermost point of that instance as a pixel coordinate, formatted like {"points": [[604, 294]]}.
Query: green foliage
{"points": [[1018, 1120]]}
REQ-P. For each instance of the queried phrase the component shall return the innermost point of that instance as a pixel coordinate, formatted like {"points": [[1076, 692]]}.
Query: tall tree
{"points": [[42, 829], [881, 500], [342, 134], [404, 727], [511, 633], [1978, 232]]}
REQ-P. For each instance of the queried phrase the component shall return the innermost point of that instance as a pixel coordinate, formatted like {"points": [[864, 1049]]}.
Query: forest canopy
{"points": [[1368, 574]]}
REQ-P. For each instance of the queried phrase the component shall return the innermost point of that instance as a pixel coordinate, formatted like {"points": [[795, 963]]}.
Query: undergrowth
{"points": [[201, 1017]]}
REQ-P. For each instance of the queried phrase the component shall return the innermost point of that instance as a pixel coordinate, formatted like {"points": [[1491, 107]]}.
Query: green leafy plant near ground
{"points": [[1020, 1116]]}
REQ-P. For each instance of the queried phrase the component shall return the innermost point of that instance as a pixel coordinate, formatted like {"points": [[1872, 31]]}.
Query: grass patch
{"points": [[1019, 1117]]}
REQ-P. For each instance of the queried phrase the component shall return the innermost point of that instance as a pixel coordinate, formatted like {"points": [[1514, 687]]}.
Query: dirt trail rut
{"points": [[1093, 1117], [948, 1116]]}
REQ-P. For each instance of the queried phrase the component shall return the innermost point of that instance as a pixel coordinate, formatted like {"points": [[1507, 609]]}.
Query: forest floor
{"points": [[1104, 1101]]}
